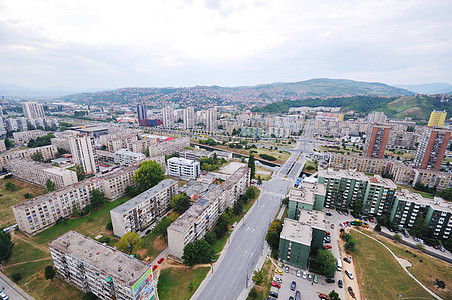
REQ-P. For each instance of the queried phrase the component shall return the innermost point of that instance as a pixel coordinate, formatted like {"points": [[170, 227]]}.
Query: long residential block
{"points": [[38, 173], [48, 152], [359, 163], [23, 137], [100, 269], [140, 211]]}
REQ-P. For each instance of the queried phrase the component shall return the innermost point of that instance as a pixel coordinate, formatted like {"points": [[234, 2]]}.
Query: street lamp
{"points": [[27, 286]]}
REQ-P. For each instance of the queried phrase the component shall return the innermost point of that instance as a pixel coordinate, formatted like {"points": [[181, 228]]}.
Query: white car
{"points": [[305, 275], [276, 279], [298, 273], [3, 295]]}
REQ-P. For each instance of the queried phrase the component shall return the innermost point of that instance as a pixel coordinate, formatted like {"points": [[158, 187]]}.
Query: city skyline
{"points": [[103, 45]]}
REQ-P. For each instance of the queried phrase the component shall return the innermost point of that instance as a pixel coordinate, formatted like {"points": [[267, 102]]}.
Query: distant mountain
{"points": [[429, 88], [8, 90], [248, 95]]}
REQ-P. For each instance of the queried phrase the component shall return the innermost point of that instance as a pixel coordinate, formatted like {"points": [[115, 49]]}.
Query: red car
{"points": [[324, 297], [277, 285], [327, 233], [161, 260], [328, 247], [154, 267], [332, 226]]}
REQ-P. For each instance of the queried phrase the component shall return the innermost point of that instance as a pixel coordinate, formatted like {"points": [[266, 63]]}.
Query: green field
{"points": [[10, 198], [380, 275], [174, 283]]}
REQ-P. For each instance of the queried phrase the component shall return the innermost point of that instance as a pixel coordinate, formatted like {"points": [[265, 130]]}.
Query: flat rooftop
{"points": [[296, 232], [234, 178], [189, 217], [194, 187], [182, 161], [313, 218], [436, 203], [353, 174], [110, 261], [306, 192], [143, 197]]}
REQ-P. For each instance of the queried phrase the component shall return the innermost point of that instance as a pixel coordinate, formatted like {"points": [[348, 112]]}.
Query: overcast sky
{"points": [[110, 44]]}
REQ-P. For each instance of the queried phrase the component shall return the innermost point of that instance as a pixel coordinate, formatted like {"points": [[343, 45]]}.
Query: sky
{"points": [[78, 44]]}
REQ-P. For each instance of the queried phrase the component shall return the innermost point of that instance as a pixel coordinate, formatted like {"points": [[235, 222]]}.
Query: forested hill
{"points": [[416, 107]]}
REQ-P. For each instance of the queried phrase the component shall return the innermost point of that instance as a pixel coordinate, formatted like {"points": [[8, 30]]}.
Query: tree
{"points": [[89, 296], [80, 172], [130, 191], [28, 196], [97, 198], [149, 174], [180, 203], [129, 243], [334, 295], [199, 252], [273, 233], [161, 228], [50, 186], [8, 144], [210, 237], [328, 263], [420, 247], [109, 226], [37, 156], [252, 165], [6, 246], [397, 238], [9, 186], [358, 206], [222, 225], [350, 245], [238, 207], [253, 294], [259, 180], [250, 193], [377, 228], [447, 194], [146, 153], [258, 276], [49, 273]]}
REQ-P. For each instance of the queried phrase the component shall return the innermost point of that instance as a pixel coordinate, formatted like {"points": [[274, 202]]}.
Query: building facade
{"points": [[358, 163], [376, 141], [23, 137], [432, 147], [183, 168], [437, 118], [48, 153], [33, 110], [100, 269], [126, 157], [84, 153]]}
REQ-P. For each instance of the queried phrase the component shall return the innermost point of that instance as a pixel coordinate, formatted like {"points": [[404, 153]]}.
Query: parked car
{"points": [[161, 260], [287, 269], [293, 285], [328, 247], [273, 294], [330, 280], [298, 295], [309, 277], [3, 295], [340, 284], [347, 260], [298, 273], [276, 284], [316, 279], [332, 226], [276, 279], [305, 275], [278, 271], [324, 297], [154, 267], [349, 274]]}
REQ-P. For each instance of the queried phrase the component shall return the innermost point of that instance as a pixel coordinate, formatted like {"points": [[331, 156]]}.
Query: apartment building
{"points": [[344, 188], [189, 118], [279, 132], [183, 168], [402, 139], [33, 110], [358, 163], [105, 157], [2, 145], [432, 147], [299, 237], [376, 117], [141, 112], [115, 183], [203, 215], [38, 173], [126, 157], [376, 141], [437, 118], [84, 153], [196, 222], [142, 210], [193, 154], [48, 153], [23, 137], [168, 117], [196, 189], [169, 146], [401, 173], [440, 180], [37, 214], [307, 196], [435, 213], [106, 272]]}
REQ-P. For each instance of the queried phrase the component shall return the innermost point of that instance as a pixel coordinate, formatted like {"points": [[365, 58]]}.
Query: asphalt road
{"points": [[12, 290]]}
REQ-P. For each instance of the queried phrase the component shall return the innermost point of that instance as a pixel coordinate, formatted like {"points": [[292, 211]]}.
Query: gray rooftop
{"points": [[437, 203], [296, 232], [188, 218], [143, 197], [314, 218], [306, 192], [194, 187], [234, 178], [110, 261]]}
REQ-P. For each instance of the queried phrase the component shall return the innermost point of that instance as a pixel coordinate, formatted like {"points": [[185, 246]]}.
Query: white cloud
{"points": [[230, 42]]}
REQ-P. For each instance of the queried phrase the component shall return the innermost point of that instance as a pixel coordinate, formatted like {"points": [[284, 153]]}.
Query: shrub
{"points": [[104, 239], [28, 196], [267, 157], [16, 276]]}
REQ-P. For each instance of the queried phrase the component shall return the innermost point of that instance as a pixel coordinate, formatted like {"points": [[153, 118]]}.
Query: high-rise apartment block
{"points": [[140, 211], [100, 269], [33, 110], [141, 111], [376, 117], [432, 147], [126, 157], [83, 151], [376, 141], [437, 118], [189, 118], [168, 116], [212, 123]]}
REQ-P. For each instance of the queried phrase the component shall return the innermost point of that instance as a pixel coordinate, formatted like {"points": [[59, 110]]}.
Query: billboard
{"points": [[143, 289]]}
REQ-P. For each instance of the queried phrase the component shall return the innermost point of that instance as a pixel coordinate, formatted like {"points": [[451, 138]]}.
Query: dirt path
{"points": [[29, 261], [350, 267], [16, 236]]}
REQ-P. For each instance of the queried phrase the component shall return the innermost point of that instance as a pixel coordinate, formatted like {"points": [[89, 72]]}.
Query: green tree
{"points": [[447, 194], [129, 243], [377, 228], [259, 180], [8, 144], [146, 153], [397, 238], [6, 246], [250, 193], [130, 191], [222, 225], [273, 233], [149, 174], [97, 198], [49, 273], [253, 294], [50, 186], [37, 156], [190, 255], [161, 228], [76, 211], [258, 276], [334, 295], [9, 186], [252, 165], [350, 245], [28, 196], [358, 206], [89, 296], [210, 237], [238, 207], [199, 252], [80, 172], [180, 203], [109, 226], [328, 263]]}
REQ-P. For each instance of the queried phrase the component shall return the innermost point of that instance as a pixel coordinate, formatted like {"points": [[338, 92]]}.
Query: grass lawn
{"points": [[312, 165], [263, 176], [174, 283], [10, 198], [380, 275], [152, 246], [426, 271], [411, 189], [264, 288], [91, 225], [31, 262]]}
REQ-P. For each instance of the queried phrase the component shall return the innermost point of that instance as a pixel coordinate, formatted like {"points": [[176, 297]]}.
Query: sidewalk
{"points": [[10, 284]]}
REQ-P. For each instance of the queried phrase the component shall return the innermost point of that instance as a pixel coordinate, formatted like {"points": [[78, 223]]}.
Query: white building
{"points": [[83, 151], [189, 118], [33, 110], [183, 168], [23, 137], [212, 123], [126, 157], [106, 272], [168, 116], [142, 210]]}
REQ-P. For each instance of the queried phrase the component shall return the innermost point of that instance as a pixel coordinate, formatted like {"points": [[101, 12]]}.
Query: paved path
{"points": [[402, 264]]}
